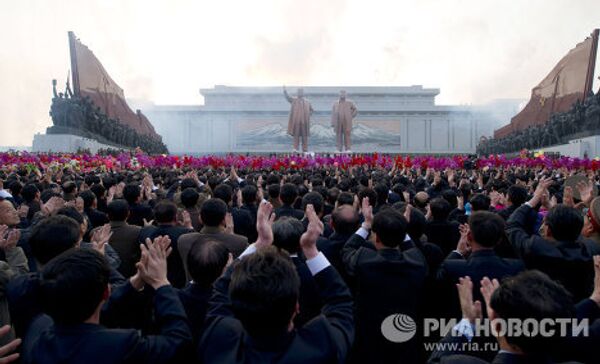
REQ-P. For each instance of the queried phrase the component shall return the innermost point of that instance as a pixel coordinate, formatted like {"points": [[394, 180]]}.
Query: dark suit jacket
{"points": [[569, 262], [45, 342], [243, 224], [125, 241], [310, 300], [444, 234], [332, 248], [325, 339], [176, 270], [384, 278], [97, 217], [138, 212], [235, 243], [194, 299], [287, 210], [482, 263]]}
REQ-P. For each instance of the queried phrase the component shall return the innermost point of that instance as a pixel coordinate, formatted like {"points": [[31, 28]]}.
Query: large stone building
{"points": [[254, 119]]}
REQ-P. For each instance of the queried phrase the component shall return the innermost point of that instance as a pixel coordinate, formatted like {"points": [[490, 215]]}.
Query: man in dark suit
{"points": [[189, 199], [242, 220], [440, 230], [384, 274], [125, 237], [530, 295], [90, 207], [515, 197], [213, 214], [205, 262], [475, 257], [288, 194], [344, 222], [559, 252], [138, 210], [251, 312], [165, 213], [74, 287]]}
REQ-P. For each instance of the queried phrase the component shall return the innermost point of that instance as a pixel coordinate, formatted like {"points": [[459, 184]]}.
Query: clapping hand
{"points": [[463, 246], [596, 293], [9, 237], [152, 267], [100, 238], [367, 211], [487, 290], [470, 310], [8, 348], [308, 240], [264, 222]]}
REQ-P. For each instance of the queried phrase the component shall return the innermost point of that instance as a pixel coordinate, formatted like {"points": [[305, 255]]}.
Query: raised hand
{"points": [[8, 348], [367, 210], [229, 225], [100, 238], [186, 220], [9, 237], [264, 223], [586, 190], [470, 310], [487, 290], [596, 293], [153, 265], [568, 196], [308, 240], [148, 223], [463, 246], [52, 205]]}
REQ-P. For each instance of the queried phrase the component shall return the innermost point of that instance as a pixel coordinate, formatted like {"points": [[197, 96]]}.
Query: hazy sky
{"points": [[164, 51]]}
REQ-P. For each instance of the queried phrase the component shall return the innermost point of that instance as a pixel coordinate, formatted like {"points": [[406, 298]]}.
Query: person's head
{"points": [[132, 193], [440, 209], [315, 199], [531, 295], [486, 229], [343, 95], [300, 92], [165, 212], [417, 224], [367, 192], [286, 234], [89, 199], [249, 193], [52, 236], [345, 198], [480, 202], [273, 191], [189, 197], [345, 220], [562, 223], [69, 188], [591, 221], [288, 194], [15, 188], [223, 192], [8, 214], [389, 227], [72, 212], [264, 292], [382, 191], [98, 190], [516, 195], [30, 193], [118, 210], [213, 212], [421, 199], [206, 262], [74, 285], [450, 196]]}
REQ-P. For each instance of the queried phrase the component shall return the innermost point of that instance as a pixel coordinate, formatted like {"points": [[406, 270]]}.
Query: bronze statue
{"points": [[341, 120], [299, 119]]}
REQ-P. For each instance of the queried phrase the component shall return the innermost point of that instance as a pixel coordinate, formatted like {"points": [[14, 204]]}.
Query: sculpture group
{"points": [[583, 119], [79, 116], [342, 114]]}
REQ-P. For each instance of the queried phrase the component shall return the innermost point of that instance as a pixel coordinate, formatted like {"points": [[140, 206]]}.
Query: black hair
{"points": [[73, 284], [213, 212], [565, 223], [29, 192], [165, 212], [390, 227], [118, 210], [52, 236], [480, 202], [517, 195], [273, 190], [224, 192], [487, 228], [88, 198], [345, 198], [315, 199], [264, 292], [288, 193], [132, 192], [249, 194], [440, 209], [345, 219], [189, 197]]}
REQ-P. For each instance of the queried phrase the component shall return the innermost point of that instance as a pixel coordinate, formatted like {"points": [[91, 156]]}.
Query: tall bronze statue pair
{"points": [[342, 113]]}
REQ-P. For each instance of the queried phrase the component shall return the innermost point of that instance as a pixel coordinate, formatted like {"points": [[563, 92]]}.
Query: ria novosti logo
{"points": [[398, 328]]}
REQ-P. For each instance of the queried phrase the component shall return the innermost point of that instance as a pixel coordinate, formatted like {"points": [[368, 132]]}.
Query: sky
{"points": [[165, 51]]}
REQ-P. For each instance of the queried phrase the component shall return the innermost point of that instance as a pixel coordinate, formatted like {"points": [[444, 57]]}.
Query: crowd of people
{"points": [[583, 119], [288, 265]]}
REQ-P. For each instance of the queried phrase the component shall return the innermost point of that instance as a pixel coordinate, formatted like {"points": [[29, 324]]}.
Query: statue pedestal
{"points": [[66, 143], [577, 148]]}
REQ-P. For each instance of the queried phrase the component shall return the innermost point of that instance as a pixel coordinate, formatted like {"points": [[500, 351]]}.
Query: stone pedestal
{"points": [[66, 143]]}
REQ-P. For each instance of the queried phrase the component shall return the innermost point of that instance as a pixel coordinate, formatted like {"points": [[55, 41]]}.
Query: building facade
{"points": [[254, 119]]}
